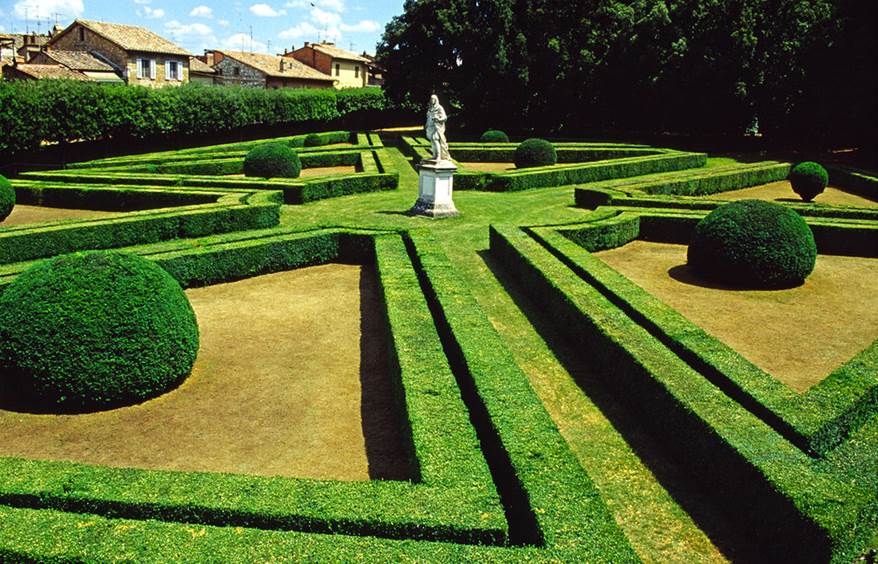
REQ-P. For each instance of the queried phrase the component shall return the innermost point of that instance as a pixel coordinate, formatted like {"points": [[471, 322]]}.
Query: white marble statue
{"points": [[435, 129]]}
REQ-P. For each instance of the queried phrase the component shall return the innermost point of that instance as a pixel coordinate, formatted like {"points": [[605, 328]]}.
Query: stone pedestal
{"points": [[435, 183]]}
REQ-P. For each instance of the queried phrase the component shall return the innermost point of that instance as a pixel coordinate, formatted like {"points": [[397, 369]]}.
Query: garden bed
{"points": [[799, 335], [25, 215], [783, 192], [291, 380]]}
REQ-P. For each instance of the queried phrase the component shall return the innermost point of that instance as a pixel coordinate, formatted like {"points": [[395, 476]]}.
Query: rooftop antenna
{"points": [[251, 38], [26, 25], [268, 47], [57, 16], [352, 45]]}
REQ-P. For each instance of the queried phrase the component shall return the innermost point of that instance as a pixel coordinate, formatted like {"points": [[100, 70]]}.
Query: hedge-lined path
{"points": [[25, 215], [643, 486], [783, 192], [798, 335], [286, 383]]}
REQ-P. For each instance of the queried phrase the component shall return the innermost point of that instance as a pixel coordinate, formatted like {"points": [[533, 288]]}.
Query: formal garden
{"points": [[252, 351], [231, 331]]}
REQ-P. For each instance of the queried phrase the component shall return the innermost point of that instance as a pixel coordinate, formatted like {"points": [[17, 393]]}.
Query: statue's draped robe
{"points": [[435, 129]]}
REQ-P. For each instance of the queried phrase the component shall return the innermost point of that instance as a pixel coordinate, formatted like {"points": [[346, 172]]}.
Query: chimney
{"points": [[209, 57], [282, 65], [306, 44]]}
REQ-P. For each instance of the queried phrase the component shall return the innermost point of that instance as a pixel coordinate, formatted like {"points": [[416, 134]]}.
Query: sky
{"points": [[196, 25]]}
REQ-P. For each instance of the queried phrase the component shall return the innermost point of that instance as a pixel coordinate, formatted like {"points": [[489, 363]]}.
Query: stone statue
{"points": [[435, 129]]}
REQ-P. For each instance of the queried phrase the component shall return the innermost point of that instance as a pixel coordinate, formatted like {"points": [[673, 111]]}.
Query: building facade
{"points": [[257, 70], [348, 69]]}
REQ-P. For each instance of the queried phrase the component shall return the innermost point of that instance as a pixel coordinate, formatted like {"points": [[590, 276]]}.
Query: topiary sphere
{"points": [[95, 330], [7, 198], [535, 152], [808, 180], [754, 244], [494, 136], [272, 160], [313, 140]]}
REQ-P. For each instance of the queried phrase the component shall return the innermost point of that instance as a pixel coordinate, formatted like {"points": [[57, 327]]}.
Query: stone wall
{"points": [[247, 75]]}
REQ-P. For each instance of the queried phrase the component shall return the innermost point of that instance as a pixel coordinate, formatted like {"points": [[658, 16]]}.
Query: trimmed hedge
{"points": [[494, 136], [58, 110], [231, 211], [753, 244], [808, 180], [272, 160], [95, 330], [805, 514], [535, 152], [313, 140], [7, 198]]}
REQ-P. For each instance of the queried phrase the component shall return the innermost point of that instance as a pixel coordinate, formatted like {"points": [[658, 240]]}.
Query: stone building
{"points": [[92, 67], [349, 69], [200, 72], [265, 71], [136, 54]]}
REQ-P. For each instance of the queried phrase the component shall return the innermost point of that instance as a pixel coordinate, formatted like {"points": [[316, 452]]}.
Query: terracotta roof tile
{"points": [[78, 60], [271, 65], [338, 53], [50, 71], [133, 38], [197, 65]]}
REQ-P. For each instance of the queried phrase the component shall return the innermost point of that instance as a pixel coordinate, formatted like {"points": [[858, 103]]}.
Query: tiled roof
{"points": [[133, 38], [337, 53], [271, 65], [197, 65], [50, 71], [78, 60]]}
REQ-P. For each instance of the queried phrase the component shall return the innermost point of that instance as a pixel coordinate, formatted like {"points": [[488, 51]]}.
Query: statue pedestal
{"points": [[435, 183]]}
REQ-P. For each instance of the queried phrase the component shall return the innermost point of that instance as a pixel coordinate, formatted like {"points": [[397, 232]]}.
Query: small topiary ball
{"points": [[272, 160], [313, 140], [753, 244], [494, 136], [7, 198], [808, 179], [95, 330], [535, 152]]}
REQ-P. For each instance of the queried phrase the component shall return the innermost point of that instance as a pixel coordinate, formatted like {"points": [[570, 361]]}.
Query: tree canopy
{"points": [[797, 67]]}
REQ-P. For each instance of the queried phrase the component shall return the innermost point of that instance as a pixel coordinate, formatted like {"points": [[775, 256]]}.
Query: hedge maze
{"points": [[494, 473]]}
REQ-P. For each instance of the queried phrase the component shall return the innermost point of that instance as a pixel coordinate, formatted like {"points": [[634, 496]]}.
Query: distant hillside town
{"points": [[110, 53]]}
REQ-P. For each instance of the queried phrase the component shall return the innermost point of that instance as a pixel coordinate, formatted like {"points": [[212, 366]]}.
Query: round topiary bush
{"points": [[535, 152], [95, 330], [494, 136], [313, 140], [808, 179], [7, 198], [753, 244], [272, 160]]}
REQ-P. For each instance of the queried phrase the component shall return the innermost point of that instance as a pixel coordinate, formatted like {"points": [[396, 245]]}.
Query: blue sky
{"points": [[200, 24]]}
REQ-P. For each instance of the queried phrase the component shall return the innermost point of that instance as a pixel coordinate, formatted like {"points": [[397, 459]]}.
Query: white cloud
{"points": [[266, 11], [241, 42], [187, 31], [44, 9], [223, 23], [201, 12], [142, 2], [364, 26], [325, 18], [301, 30], [150, 13], [331, 5]]}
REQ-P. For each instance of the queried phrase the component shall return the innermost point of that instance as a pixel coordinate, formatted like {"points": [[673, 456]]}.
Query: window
{"points": [[237, 71], [81, 33], [145, 69], [337, 69], [357, 71], [173, 70]]}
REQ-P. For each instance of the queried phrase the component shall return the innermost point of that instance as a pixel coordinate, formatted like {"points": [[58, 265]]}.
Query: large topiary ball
{"points": [[494, 136], [313, 140], [753, 244], [7, 198], [95, 330], [535, 152], [808, 179], [272, 160]]}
